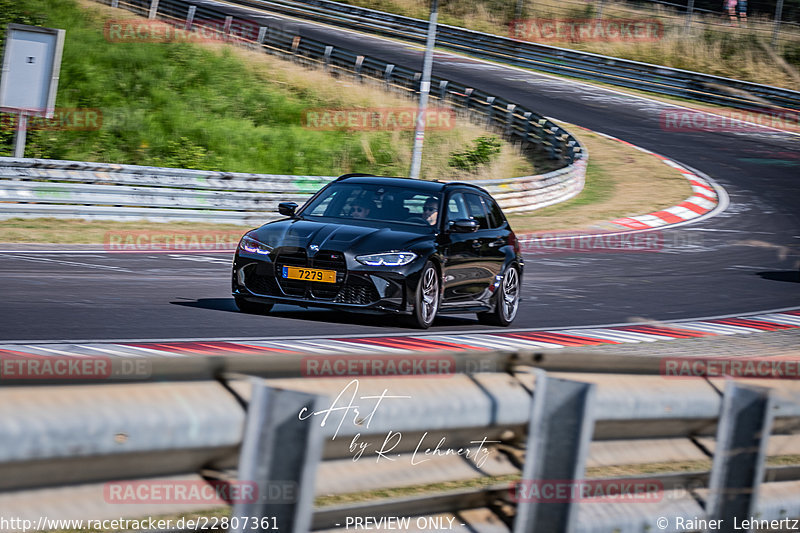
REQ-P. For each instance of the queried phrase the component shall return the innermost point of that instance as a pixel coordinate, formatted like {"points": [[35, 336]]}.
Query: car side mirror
{"points": [[287, 208], [464, 225]]}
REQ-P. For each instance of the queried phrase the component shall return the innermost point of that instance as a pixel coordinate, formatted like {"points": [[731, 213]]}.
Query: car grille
{"points": [[310, 289], [358, 291], [267, 279], [331, 261], [298, 258]]}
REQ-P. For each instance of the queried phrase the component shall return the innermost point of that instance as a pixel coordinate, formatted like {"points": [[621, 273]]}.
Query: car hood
{"points": [[361, 237]]}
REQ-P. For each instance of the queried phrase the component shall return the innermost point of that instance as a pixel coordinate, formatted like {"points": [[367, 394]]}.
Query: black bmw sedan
{"points": [[388, 245]]}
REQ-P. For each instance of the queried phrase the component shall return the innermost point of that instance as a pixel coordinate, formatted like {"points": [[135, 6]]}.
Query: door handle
{"points": [[496, 243], [476, 244]]}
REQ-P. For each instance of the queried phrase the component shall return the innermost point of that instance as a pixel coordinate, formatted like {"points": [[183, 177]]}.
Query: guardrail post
{"points": [[443, 90], [387, 74], [552, 137], [262, 34], [776, 28], [327, 57], [738, 466], [190, 18], [559, 434], [226, 28], [527, 116], [572, 148], [114, 3], [284, 475], [689, 10], [490, 111], [468, 96], [153, 9], [510, 118], [358, 65]]}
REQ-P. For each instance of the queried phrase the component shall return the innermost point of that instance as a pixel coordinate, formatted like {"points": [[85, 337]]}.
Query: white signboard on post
{"points": [[29, 81]]}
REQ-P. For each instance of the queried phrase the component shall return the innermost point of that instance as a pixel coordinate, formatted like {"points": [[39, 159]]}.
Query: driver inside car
{"points": [[361, 209], [430, 211]]}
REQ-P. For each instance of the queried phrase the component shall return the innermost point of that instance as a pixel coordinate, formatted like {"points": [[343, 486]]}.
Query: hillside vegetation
{"points": [[213, 106]]}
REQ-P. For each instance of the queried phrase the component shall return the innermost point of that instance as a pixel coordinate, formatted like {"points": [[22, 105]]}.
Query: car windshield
{"points": [[373, 201]]}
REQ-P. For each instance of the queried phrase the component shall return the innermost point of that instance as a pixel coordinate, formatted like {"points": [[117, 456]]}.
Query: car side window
{"points": [[496, 218], [477, 211], [456, 208]]}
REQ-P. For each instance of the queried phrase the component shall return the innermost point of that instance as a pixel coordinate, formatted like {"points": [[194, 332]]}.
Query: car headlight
{"points": [[388, 259], [250, 245]]}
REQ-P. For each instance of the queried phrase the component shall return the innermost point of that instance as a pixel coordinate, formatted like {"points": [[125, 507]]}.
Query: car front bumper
{"points": [[357, 288]]}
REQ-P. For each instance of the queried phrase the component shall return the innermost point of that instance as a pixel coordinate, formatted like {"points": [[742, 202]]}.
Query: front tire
{"points": [[251, 308], [506, 300], [426, 297]]}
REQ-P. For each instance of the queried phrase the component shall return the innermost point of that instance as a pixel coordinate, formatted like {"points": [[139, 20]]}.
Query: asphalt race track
{"points": [[740, 261]]}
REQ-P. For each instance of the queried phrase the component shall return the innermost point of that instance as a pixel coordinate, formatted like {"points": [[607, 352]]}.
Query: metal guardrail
{"points": [[73, 189], [527, 419], [615, 71], [47, 188]]}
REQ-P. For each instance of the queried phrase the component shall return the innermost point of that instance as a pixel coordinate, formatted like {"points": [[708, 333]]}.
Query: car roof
{"points": [[422, 185]]}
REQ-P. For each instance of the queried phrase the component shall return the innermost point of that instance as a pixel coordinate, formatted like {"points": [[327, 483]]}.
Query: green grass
{"points": [[77, 231], [192, 106], [599, 187], [176, 104]]}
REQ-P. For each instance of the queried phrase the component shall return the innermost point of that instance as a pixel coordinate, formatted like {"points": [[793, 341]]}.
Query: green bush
{"points": [[483, 151]]}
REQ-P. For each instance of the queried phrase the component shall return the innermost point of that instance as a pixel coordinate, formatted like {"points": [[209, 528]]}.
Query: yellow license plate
{"points": [[309, 274]]}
